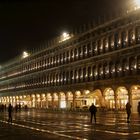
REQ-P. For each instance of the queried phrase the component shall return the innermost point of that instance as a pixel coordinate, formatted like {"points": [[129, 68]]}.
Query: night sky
{"points": [[28, 24]]}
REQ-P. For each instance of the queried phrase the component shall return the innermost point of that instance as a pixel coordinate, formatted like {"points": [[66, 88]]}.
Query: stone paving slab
{"points": [[10, 132]]}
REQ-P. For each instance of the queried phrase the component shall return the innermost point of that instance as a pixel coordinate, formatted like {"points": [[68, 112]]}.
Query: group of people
{"points": [[11, 109], [93, 110]]}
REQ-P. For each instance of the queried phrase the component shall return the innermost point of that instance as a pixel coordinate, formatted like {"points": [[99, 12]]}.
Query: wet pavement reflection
{"points": [[68, 125]]}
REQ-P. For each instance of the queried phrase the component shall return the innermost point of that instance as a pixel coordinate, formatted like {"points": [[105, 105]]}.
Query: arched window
{"points": [[84, 51], [95, 72], [95, 48], [133, 65], [118, 69], [71, 77], [138, 64], [89, 74], [80, 75], [75, 76], [100, 71], [84, 74], [131, 37], [106, 44], [80, 53], [89, 50], [111, 43], [100, 46], [106, 71], [112, 70], [67, 77], [138, 34], [68, 57], [75, 54], [125, 67], [117, 41], [71, 55]]}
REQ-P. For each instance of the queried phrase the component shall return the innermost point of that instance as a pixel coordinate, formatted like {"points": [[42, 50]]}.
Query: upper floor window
{"points": [[138, 34]]}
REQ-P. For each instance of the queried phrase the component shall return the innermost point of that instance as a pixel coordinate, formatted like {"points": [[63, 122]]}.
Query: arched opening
{"points": [[135, 92], [26, 100], [55, 100], [122, 98], [109, 98], [49, 98], [33, 104], [38, 101], [62, 100], [43, 101], [77, 99], [94, 97], [69, 100]]}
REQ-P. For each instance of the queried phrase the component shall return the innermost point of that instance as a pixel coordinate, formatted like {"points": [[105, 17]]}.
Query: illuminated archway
{"points": [[78, 99], [62, 100], [109, 98], [43, 101], [69, 99], [33, 101], [95, 97], [38, 101], [122, 97], [26, 101], [135, 92], [49, 99], [55, 100]]}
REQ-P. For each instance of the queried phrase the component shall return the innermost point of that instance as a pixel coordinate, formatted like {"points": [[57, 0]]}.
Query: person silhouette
{"points": [[93, 111], [128, 111], [10, 109]]}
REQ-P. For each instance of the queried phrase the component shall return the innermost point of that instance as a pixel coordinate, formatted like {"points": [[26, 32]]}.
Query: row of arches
{"points": [[108, 98], [117, 40], [92, 72]]}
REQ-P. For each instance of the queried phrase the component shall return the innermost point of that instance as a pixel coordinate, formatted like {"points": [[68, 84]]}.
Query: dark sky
{"points": [[27, 24]]}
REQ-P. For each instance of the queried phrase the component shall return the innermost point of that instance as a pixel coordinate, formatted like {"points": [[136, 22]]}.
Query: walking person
{"points": [[93, 111], [128, 111], [10, 109], [138, 108]]}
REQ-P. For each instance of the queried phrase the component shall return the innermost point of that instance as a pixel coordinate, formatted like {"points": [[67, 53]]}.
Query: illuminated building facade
{"points": [[100, 65]]}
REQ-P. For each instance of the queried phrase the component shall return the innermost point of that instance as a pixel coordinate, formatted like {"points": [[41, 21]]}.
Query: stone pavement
{"points": [[41, 125], [11, 132]]}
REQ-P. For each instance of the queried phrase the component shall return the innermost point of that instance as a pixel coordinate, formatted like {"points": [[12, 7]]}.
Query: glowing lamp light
{"points": [[64, 36], [25, 54]]}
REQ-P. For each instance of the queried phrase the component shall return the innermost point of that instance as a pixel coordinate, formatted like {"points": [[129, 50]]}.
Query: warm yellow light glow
{"points": [[25, 54], [64, 36], [43, 95], [63, 104], [78, 93], [87, 91], [37, 95], [33, 96]]}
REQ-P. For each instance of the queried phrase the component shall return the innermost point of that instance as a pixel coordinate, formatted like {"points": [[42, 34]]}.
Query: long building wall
{"points": [[101, 65]]}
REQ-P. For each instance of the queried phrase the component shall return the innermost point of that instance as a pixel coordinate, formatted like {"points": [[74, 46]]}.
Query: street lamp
{"points": [[65, 36], [25, 54]]}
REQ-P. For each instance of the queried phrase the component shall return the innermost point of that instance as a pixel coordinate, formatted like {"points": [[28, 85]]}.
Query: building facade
{"points": [[100, 65]]}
